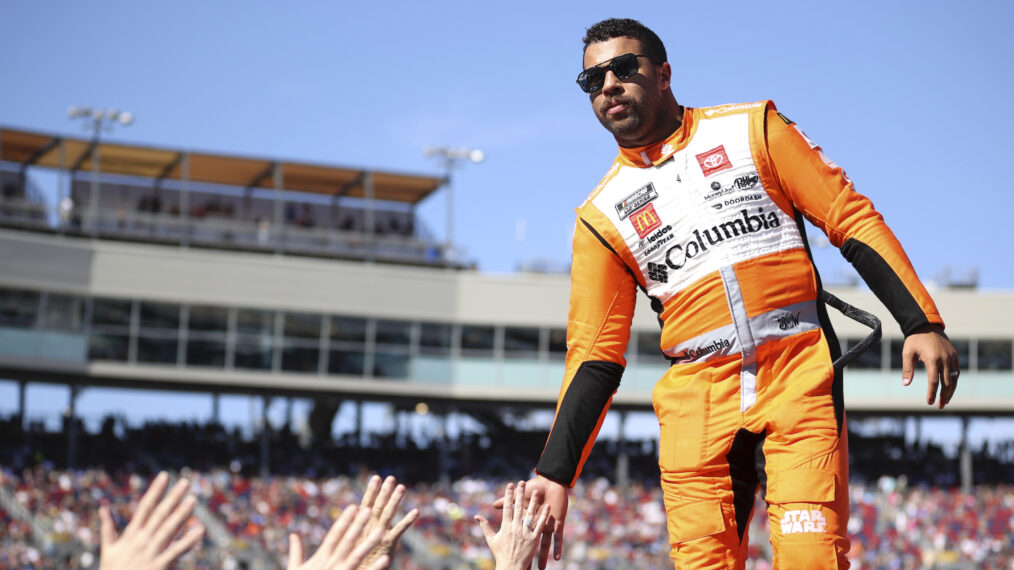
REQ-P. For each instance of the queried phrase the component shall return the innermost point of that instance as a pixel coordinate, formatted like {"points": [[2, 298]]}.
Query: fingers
{"points": [[907, 366], [950, 385], [508, 504], [547, 541], [519, 504], [372, 488], [404, 523], [933, 375], [386, 491], [181, 546], [148, 501], [295, 551], [162, 534], [498, 504], [167, 505], [487, 529], [337, 530], [107, 527], [389, 503], [540, 525], [558, 541], [355, 530]]}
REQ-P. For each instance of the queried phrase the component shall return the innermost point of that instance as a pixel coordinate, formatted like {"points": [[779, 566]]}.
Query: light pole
{"points": [[451, 157], [97, 120]]}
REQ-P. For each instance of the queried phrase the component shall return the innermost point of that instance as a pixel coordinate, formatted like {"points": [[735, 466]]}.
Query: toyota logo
{"points": [[714, 161]]}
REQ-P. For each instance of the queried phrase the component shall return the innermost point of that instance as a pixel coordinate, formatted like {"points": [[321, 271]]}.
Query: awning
{"points": [[39, 149]]}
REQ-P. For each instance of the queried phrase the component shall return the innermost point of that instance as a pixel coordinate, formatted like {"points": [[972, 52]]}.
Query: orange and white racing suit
{"points": [[709, 224]]}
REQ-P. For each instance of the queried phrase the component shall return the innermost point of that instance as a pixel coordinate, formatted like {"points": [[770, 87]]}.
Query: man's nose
{"points": [[611, 83]]}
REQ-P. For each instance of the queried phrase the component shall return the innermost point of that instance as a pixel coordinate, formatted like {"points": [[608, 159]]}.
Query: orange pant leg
{"points": [[698, 412]]}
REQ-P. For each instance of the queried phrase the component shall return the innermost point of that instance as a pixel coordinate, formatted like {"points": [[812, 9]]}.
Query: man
{"points": [[703, 211]]}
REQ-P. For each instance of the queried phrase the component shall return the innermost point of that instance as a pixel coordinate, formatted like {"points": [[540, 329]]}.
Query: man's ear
{"points": [[665, 75]]}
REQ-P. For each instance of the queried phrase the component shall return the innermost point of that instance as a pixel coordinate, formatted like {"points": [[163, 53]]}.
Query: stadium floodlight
{"points": [[451, 156], [97, 120]]}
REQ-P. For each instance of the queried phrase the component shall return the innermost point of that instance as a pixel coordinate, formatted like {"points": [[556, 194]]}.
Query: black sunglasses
{"points": [[623, 67]]}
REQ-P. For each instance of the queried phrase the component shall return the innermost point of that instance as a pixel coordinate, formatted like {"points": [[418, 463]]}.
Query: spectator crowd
{"points": [[897, 520]]}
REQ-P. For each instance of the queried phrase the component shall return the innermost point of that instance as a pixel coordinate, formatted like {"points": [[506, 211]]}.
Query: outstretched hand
{"points": [[555, 496], [930, 346], [345, 546], [513, 546], [382, 501], [146, 543]]}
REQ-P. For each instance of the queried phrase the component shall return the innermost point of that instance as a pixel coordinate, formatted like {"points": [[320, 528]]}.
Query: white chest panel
{"points": [[699, 211]]}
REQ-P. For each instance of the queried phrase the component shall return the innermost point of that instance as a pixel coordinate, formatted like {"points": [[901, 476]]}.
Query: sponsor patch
{"points": [[645, 221], [715, 160], [658, 272], [808, 520], [633, 202], [789, 321], [731, 108], [692, 354]]}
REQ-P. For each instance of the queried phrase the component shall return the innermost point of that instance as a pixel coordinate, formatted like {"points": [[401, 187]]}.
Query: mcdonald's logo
{"points": [[645, 220]]}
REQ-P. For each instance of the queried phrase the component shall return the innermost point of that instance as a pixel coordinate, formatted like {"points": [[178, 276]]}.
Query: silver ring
{"points": [[528, 522], [954, 373]]}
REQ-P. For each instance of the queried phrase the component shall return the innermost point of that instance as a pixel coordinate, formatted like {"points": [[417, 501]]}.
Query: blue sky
{"points": [[910, 97]]}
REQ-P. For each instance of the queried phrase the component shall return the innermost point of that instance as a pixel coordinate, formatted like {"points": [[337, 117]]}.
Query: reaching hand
{"points": [[932, 348], [555, 495], [513, 546], [339, 549], [145, 543], [382, 501]]}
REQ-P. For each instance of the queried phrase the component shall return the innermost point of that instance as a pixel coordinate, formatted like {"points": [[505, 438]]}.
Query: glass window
{"points": [[390, 365], [348, 329], [964, 349], [518, 339], [297, 358], [869, 360], [255, 321], [254, 356], [477, 338], [349, 362], [64, 313], [649, 345], [206, 353], [111, 312], [302, 325], [557, 343], [160, 315], [159, 350], [393, 332], [18, 307], [435, 336], [108, 347], [994, 354], [208, 319]]}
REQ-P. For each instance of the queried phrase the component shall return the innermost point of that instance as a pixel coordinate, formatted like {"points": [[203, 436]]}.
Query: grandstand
{"points": [[166, 269]]}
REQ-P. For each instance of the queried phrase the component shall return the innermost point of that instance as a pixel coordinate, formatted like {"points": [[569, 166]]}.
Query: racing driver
{"points": [[703, 211]]}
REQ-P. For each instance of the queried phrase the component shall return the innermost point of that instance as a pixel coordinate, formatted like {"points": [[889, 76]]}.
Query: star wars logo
{"points": [[803, 521]]}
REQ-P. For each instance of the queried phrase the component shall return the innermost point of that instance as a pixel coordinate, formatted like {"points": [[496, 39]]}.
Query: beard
{"points": [[626, 127]]}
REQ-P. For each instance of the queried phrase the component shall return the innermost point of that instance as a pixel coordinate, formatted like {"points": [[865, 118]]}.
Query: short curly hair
{"points": [[627, 28]]}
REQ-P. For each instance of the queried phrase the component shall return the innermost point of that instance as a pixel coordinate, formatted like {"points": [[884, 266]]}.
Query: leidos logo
{"points": [[715, 160], [645, 220]]}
